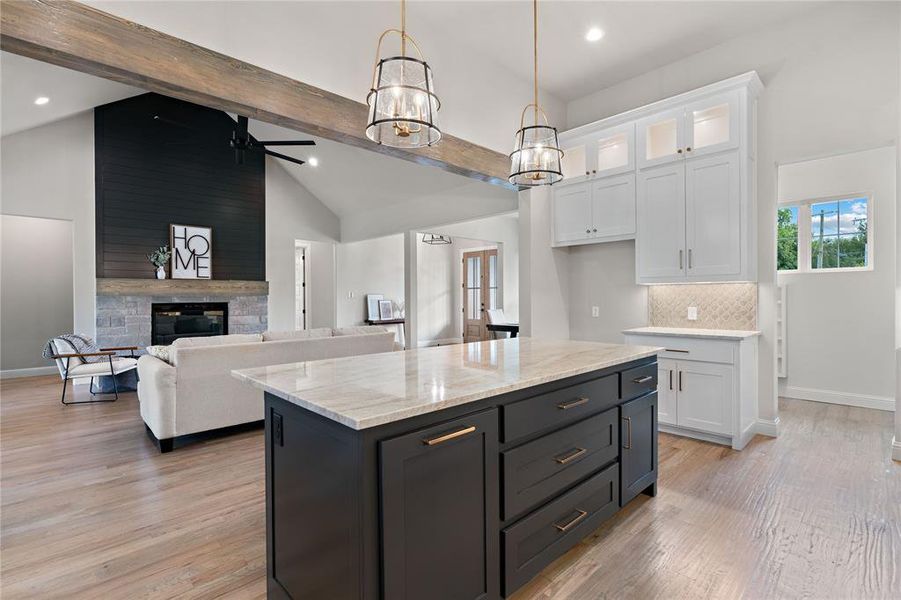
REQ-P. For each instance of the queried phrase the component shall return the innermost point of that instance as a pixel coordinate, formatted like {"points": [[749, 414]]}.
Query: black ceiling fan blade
{"points": [[288, 143], [284, 157]]}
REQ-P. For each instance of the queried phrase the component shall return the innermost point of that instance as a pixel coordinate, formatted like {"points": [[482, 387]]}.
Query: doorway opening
{"points": [[301, 284]]}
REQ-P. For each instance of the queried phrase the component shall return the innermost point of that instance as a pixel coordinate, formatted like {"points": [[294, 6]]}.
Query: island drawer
{"points": [[540, 469], [558, 407], [538, 539], [638, 381]]}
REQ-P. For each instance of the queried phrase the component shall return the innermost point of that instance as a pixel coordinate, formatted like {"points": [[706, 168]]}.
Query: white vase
{"points": [[161, 272]]}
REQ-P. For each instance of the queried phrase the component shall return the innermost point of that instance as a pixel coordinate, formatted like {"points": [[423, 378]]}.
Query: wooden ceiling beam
{"points": [[72, 35]]}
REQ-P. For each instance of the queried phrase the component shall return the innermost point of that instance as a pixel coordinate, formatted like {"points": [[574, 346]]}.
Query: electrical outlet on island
{"points": [[692, 313], [595, 311]]}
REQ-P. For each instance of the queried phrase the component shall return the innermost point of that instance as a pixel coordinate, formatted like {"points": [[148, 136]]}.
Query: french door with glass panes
{"points": [[480, 292]]}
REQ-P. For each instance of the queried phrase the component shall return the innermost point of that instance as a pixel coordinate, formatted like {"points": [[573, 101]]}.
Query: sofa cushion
{"points": [[297, 334], [161, 352], [360, 330], [217, 340]]}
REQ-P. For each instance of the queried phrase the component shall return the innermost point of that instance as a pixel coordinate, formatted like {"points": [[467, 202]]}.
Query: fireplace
{"points": [[168, 322]]}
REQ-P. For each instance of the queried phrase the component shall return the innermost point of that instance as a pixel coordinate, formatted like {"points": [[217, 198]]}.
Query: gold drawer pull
{"points": [[572, 403], [570, 456], [448, 436], [572, 522], [644, 379]]}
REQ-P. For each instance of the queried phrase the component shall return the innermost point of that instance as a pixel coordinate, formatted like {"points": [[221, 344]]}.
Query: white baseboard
{"points": [[845, 398], [30, 372], [768, 427], [896, 449]]}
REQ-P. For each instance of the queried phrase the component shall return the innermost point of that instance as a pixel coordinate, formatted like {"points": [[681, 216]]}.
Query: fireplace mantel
{"points": [[181, 287]]}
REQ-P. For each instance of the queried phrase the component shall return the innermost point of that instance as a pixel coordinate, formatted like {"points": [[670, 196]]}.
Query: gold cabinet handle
{"points": [[628, 445], [644, 379], [572, 522], [448, 436], [573, 403], [570, 456]]}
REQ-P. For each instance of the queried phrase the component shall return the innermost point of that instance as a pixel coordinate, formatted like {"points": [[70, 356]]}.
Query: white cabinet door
{"points": [[705, 397], [712, 125], [660, 236], [613, 151], [572, 212], [713, 215], [660, 138], [613, 206], [667, 374]]}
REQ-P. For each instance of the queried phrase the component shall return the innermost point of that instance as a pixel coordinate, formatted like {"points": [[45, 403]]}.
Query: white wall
{"points": [[293, 213], [821, 98], [544, 289], [48, 172], [841, 334], [368, 267], [35, 288], [603, 275]]}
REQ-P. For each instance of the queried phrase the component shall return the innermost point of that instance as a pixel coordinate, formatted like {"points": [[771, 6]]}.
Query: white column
{"points": [[896, 441]]}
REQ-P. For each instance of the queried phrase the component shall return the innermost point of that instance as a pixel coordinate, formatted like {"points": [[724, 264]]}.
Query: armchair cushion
{"points": [[119, 365]]}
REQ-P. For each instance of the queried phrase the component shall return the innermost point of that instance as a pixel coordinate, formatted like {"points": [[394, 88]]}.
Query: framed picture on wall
{"points": [[372, 306], [386, 310], [192, 251]]}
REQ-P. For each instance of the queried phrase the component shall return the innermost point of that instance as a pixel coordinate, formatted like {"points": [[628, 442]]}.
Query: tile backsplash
{"points": [[720, 305]]}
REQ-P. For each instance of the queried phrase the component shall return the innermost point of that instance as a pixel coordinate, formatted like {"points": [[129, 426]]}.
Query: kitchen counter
{"points": [[714, 334], [458, 471], [374, 389]]}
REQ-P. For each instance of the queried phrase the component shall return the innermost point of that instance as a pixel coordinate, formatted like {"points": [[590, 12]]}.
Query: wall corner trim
{"points": [[896, 449], [768, 427]]}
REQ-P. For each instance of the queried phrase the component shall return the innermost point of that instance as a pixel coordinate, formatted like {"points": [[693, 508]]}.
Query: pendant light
{"points": [[536, 155], [436, 239], [402, 101]]}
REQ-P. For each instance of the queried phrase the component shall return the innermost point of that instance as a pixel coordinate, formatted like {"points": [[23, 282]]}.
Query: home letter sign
{"points": [[192, 252]]}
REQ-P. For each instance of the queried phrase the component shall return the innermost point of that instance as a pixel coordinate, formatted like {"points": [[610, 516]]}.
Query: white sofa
{"points": [[197, 393]]}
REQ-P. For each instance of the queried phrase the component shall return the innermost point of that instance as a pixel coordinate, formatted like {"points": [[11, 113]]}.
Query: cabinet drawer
{"points": [[684, 348], [540, 469], [535, 541], [556, 408], [638, 381]]}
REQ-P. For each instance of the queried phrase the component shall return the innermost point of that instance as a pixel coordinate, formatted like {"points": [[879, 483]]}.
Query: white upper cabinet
{"points": [[688, 165], [660, 238], [713, 205], [661, 138], [713, 124]]}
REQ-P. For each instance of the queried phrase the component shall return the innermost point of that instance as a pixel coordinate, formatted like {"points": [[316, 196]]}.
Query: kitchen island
{"points": [[455, 472]]}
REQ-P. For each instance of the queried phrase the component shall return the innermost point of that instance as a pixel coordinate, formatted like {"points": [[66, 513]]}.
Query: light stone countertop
{"points": [[375, 389], [715, 334]]}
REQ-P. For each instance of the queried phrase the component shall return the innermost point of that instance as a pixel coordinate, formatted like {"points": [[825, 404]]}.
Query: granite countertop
{"points": [[716, 334], [375, 389]]}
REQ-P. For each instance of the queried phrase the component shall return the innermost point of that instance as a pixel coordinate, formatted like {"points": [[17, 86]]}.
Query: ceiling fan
{"points": [[242, 142]]}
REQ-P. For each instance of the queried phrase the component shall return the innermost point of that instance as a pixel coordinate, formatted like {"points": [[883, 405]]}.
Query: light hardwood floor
{"points": [[91, 510]]}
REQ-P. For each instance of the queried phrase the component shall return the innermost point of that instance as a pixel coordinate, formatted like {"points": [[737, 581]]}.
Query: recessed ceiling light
{"points": [[594, 34], [41, 100], [314, 162]]}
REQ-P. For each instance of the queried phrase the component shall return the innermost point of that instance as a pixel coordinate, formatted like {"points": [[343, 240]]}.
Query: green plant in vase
{"points": [[159, 258]]}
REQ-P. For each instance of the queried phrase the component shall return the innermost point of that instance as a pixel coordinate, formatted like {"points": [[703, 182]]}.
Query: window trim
{"points": [[805, 238]]}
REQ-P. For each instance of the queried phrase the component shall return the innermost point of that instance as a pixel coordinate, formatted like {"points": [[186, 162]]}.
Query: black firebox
{"points": [[168, 322]]}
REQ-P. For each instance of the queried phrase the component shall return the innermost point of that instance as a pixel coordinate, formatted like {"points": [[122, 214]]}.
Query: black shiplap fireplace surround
{"points": [[171, 321]]}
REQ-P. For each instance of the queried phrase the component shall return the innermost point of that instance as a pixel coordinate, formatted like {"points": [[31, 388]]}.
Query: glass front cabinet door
{"points": [[661, 138]]}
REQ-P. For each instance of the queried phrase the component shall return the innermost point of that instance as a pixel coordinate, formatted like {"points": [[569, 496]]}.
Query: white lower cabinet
{"points": [[707, 388]]}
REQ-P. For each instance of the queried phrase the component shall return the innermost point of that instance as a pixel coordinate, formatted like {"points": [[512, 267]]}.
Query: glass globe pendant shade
{"points": [[536, 157], [402, 104]]}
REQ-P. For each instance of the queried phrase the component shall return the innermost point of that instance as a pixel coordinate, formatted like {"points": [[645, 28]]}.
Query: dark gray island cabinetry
{"points": [[451, 473]]}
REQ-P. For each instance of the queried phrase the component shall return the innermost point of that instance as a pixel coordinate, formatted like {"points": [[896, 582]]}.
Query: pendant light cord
{"points": [[403, 27], [535, 52]]}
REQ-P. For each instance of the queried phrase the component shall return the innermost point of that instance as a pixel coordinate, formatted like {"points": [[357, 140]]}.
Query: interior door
{"points": [[660, 238], [705, 396], [572, 212], [713, 214], [667, 380], [481, 286], [613, 206]]}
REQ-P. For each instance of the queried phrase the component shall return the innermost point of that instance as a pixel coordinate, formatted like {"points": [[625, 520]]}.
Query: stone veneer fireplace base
{"points": [[124, 320]]}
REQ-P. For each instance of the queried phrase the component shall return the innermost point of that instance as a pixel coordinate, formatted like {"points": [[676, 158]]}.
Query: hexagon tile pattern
{"points": [[720, 305]]}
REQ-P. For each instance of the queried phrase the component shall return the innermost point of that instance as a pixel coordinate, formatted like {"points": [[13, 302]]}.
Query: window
{"points": [[825, 234]]}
